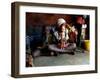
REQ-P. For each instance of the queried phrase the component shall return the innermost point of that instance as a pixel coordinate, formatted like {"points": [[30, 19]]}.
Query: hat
{"points": [[61, 21]]}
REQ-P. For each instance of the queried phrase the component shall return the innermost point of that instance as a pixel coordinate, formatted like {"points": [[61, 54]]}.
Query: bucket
{"points": [[87, 45]]}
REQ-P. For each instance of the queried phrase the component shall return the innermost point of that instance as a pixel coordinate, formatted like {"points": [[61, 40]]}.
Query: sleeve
{"points": [[56, 35]]}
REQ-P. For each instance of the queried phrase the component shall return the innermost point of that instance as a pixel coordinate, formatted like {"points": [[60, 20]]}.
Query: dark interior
{"points": [[37, 22]]}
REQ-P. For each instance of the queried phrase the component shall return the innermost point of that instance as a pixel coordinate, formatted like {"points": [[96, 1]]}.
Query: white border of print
{"points": [[53, 69]]}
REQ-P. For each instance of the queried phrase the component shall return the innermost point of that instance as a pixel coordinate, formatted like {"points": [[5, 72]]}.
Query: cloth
{"points": [[58, 36], [61, 21], [69, 48]]}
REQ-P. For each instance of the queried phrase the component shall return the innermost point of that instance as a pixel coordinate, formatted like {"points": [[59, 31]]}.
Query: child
{"points": [[61, 34]]}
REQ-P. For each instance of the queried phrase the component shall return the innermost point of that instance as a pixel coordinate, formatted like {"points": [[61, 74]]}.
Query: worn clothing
{"points": [[58, 35]]}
